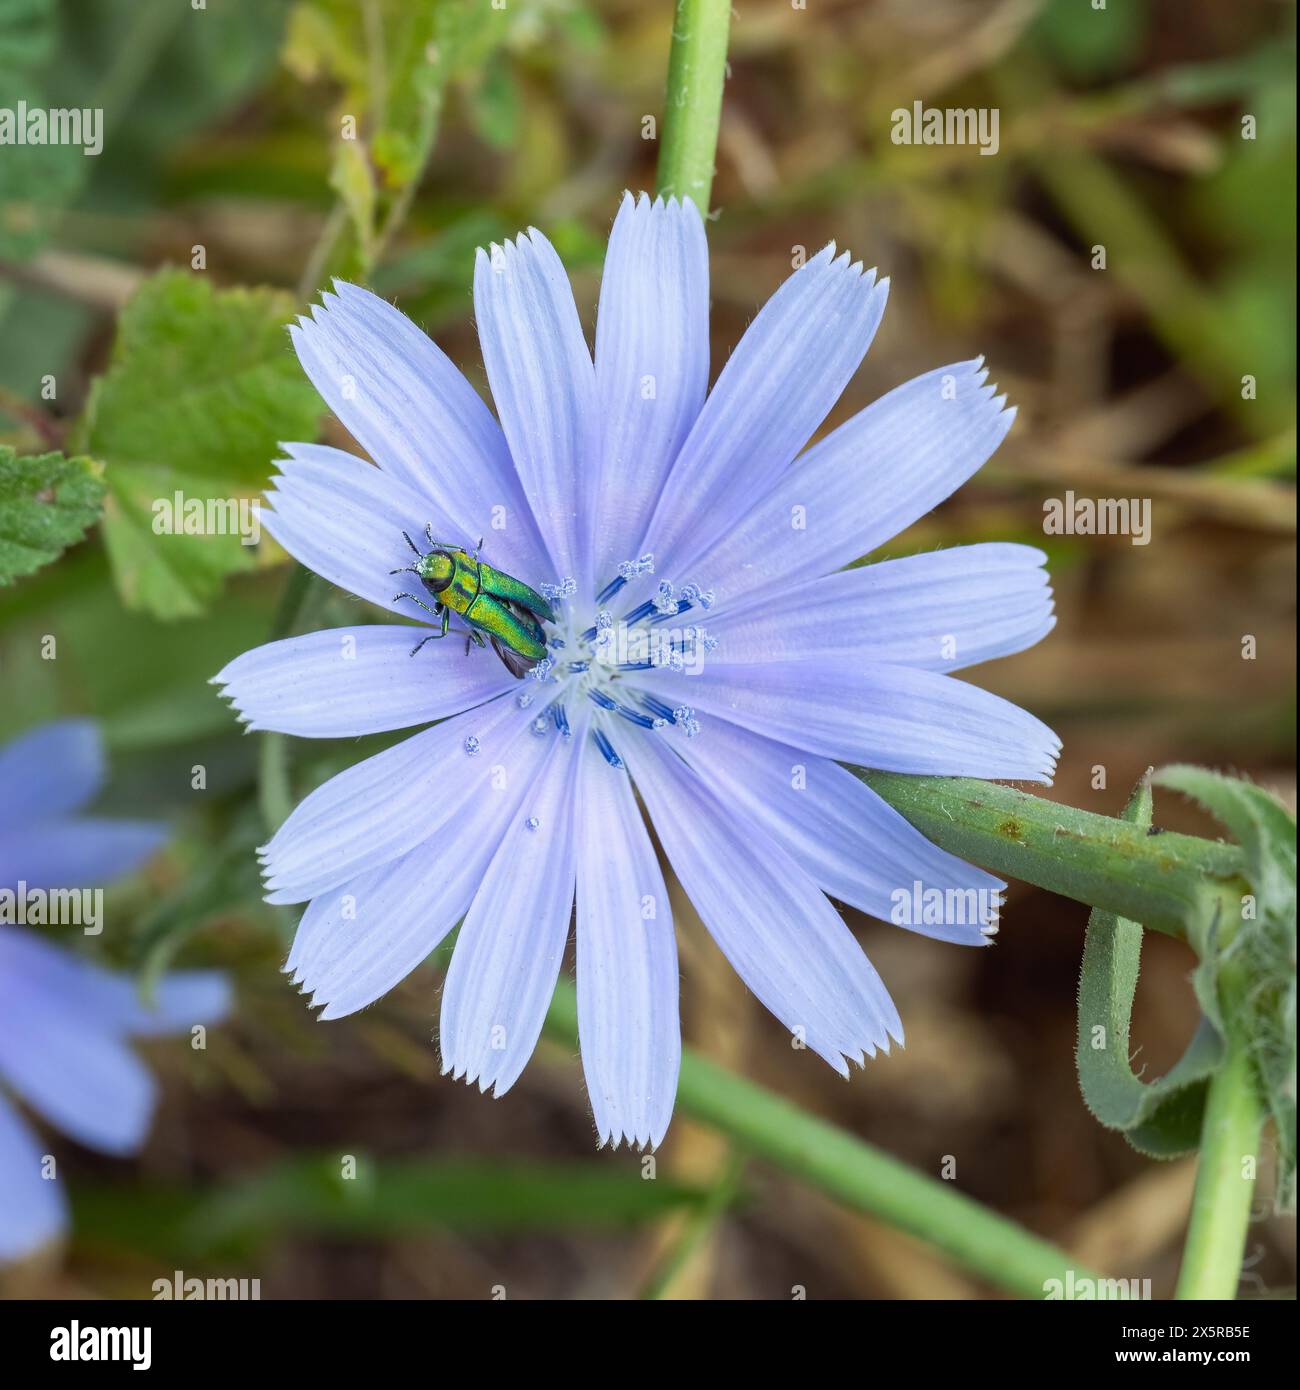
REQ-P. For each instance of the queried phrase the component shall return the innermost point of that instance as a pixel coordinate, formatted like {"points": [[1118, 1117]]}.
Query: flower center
{"points": [[598, 654]]}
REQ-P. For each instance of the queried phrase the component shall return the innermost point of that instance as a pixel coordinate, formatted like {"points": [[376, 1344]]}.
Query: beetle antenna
{"points": [[428, 531], [411, 543], [406, 569]]}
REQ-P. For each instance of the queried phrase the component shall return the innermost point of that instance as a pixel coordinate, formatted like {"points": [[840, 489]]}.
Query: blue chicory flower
{"points": [[633, 497], [65, 1024]]}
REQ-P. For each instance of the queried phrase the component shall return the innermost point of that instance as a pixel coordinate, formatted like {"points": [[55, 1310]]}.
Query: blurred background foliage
{"points": [[143, 294]]}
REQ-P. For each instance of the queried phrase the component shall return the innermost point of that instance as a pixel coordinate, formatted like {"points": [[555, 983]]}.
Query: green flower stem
{"points": [[852, 1171], [699, 1225], [697, 69], [1225, 1183], [1163, 880], [274, 793]]}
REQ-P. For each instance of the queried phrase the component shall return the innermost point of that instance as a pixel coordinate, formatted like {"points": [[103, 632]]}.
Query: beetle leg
{"points": [[428, 531], [414, 599]]}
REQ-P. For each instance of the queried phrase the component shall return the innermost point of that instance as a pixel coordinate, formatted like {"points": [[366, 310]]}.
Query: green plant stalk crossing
{"points": [[1225, 1183], [697, 71], [1162, 880], [852, 1171]]}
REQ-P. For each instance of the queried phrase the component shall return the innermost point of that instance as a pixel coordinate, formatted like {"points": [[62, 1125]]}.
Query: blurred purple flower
{"points": [[65, 1023], [631, 494]]}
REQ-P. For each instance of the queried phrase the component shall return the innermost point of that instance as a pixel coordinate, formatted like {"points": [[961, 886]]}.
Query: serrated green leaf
{"points": [[201, 388], [1160, 1117], [1251, 961], [47, 503]]}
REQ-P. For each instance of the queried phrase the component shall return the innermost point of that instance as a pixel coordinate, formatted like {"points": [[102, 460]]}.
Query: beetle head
{"points": [[436, 570]]}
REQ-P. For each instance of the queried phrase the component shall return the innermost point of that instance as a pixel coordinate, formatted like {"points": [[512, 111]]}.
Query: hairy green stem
{"points": [[1225, 1183], [697, 69], [1160, 879], [852, 1171]]}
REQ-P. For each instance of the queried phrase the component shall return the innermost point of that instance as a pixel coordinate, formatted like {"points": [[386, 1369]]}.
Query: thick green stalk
{"points": [[697, 69], [1225, 1183], [852, 1171], [1160, 879]]}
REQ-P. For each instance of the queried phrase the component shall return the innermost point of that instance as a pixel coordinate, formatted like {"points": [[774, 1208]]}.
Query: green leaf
{"points": [[393, 61], [201, 388], [36, 181], [1087, 42], [1251, 956], [47, 503], [1159, 1117], [386, 1199], [354, 182]]}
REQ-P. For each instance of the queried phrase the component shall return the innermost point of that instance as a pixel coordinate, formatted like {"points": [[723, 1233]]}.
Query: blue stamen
{"points": [[640, 720], [608, 702], [607, 749], [642, 611], [657, 707], [609, 591], [681, 607], [561, 719], [604, 621], [634, 666], [578, 667]]}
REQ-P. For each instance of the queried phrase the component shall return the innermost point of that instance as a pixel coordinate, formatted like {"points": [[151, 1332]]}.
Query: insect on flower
{"points": [[667, 572], [491, 602]]}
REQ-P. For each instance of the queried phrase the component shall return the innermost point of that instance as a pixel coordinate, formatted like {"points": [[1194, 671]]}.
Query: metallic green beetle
{"points": [[491, 602]]}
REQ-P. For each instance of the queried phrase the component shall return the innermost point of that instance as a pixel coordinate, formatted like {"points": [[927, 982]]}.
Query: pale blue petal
{"points": [[864, 483], [888, 717], [781, 935], [384, 806], [628, 1022], [652, 363], [344, 519], [855, 845], [50, 771], [939, 611], [109, 1001], [777, 387], [359, 680], [181, 1000], [359, 940], [85, 852], [405, 403], [83, 1080], [544, 388], [33, 1209], [507, 957]]}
